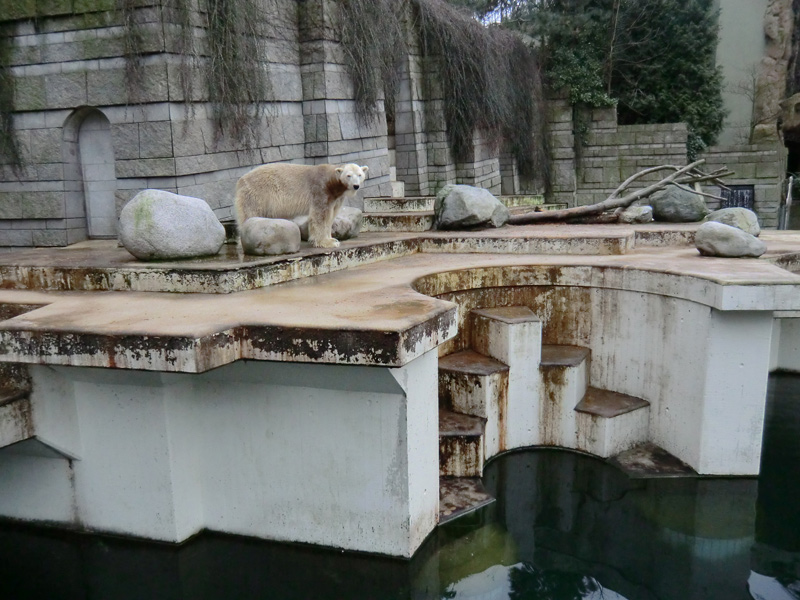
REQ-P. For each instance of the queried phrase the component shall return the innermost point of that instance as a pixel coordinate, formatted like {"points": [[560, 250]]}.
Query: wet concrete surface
{"points": [[338, 317], [607, 404], [650, 461]]}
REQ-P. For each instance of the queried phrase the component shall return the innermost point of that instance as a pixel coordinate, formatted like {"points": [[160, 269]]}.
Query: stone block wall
{"points": [[760, 166], [68, 65], [611, 153]]}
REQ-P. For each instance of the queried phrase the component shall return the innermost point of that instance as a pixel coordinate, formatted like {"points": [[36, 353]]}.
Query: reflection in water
{"points": [[565, 527]]}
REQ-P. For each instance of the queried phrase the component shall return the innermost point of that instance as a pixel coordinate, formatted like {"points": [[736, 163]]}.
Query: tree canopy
{"points": [[654, 58]]}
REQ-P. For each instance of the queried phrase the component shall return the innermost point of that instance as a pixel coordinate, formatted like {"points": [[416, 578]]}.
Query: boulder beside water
{"points": [[159, 225]]}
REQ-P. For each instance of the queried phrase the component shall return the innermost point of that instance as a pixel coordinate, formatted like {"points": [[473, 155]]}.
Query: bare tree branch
{"points": [[681, 177]]}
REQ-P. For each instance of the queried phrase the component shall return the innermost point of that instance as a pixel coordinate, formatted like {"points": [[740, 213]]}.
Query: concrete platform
{"points": [[379, 312], [295, 398]]}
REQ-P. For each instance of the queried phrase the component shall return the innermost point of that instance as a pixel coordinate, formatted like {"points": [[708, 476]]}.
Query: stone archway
{"points": [[89, 171]]}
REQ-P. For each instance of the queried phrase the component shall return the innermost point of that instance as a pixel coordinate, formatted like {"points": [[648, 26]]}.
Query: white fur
{"points": [[285, 191]]}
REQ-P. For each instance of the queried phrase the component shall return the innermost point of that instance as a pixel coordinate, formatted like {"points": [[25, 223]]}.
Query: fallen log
{"points": [[682, 177]]}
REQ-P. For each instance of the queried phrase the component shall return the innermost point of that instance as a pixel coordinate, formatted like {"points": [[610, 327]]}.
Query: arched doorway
{"points": [[96, 156]]}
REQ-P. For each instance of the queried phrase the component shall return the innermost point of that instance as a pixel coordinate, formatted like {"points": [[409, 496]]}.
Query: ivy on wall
{"points": [[236, 68], [487, 77], [371, 35]]}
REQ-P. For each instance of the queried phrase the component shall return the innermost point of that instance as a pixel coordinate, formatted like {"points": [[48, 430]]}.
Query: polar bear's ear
{"points": [[339, 170], [365, 169]]}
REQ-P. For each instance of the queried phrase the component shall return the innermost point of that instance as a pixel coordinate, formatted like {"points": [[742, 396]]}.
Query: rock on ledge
{"points": [[267, 237], [718, 239], [159, 225], [464, 206]]}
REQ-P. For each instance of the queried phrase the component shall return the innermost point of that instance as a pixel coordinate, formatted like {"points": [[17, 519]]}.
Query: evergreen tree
{"points": [[654, 58]]}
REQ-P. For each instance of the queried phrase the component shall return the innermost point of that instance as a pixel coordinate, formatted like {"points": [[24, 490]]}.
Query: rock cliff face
{"points": [[773, 70]]}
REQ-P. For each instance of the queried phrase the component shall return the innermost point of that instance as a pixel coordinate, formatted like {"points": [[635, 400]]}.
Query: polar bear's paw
{"points": [[326, 243]]}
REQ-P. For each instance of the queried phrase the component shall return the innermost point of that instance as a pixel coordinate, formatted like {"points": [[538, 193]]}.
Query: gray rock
{"points": [[636, 214], [262, 237], [464, 206], [738, 217], [159, 225], [718, 239], [346, 225], [676, 205]]}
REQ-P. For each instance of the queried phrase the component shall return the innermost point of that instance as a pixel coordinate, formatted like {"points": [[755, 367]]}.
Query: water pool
{"points": [[564, 527]]}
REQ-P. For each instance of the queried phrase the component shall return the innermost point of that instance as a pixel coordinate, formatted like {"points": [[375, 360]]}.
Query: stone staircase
{"points": [[415, 214], [509, 391]]}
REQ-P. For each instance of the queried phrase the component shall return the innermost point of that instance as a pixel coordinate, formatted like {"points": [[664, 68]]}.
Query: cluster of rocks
{"points": [[160, 225], [729, 232]]}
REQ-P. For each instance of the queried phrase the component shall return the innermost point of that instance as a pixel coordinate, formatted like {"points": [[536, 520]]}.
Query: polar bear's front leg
{"points": [[320, 221]]}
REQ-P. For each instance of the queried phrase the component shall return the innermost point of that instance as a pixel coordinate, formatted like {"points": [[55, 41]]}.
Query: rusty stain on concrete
{"points": [[608, 404], [459, 496], [380, 313]]}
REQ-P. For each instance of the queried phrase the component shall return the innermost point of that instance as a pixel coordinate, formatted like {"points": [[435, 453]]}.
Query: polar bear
{"points": [[285, 191]]}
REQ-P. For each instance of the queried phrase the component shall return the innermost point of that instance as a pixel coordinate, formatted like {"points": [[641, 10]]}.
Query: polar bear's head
{"points": [[352, 175]]}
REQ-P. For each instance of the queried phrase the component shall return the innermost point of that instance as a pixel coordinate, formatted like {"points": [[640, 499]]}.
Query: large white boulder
{"points": [[159, 225], [718, 239], [741, 218], [464, 206], [262, 237]]}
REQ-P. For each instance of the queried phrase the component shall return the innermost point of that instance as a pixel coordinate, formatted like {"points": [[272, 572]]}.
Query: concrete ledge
{"points": [[101, 266], [384, 313]]}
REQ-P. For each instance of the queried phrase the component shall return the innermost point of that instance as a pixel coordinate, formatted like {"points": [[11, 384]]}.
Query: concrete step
{"points": [[565, 379], [609, 422], [397, 221], [471, 383], [398, 189], [523, 200], [459, 496], [460, 444], [399, 205], [512, 335], [426, 203], [647, 461], [16, 419]]}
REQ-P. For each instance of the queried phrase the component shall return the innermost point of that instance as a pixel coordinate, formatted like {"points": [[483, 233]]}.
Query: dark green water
{"points": [[564, 527]]}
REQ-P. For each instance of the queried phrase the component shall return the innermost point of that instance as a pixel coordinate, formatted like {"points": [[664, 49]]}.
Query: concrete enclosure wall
{"points": [[590, 164], [163, 132], [331, 455]]}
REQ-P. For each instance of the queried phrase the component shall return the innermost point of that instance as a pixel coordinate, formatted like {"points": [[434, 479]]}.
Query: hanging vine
{"points": [[371, 36], [490, 81], [236, 68], [10, 153]]}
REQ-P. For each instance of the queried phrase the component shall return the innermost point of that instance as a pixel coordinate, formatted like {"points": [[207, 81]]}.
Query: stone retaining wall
{"points": [[69, 71], [589, 172]]}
